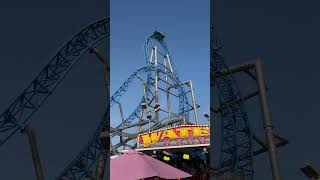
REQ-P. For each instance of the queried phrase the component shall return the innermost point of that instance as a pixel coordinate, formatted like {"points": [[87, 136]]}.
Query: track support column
{"points": [[167, 85], [122, 120], [194, 103], [156, 78], [104, 135], [266, 121], [35, 153]]}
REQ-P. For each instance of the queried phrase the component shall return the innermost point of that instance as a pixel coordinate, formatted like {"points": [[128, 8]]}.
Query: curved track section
{"points": [[154, 39], [82, 165], [137, 113], [236, 149], [158, 39], [17, 115]]}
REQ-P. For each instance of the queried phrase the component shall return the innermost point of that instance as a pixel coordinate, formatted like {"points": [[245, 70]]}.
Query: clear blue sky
{"points": [[186, 26]]}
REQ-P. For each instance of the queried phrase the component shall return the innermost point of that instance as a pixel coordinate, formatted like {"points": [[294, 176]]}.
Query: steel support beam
{"points": [[194, 103], [122, 120], [35, 153], [244, 98], [167, 85], [264, 149], [156, 75], [154, 127], [104, 136], [238, 68], [267, 121], [258, 77]]}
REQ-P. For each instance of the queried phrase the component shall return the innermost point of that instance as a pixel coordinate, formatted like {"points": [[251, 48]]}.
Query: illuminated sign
{"points": [[175, 136]]}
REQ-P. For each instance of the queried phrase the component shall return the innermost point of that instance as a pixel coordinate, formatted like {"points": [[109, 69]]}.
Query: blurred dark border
{"points": [[211, 90]]}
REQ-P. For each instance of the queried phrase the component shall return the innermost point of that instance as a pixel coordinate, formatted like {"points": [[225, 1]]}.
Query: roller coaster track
{"points": [[17, 116], [148, 69], [236, 141], [184, 106], [183, 101]]}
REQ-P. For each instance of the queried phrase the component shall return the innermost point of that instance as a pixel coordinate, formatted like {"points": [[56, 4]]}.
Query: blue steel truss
{"points": [[158, 38], [84, 163], [17, 115], [184, 107], [183, 101], [236, 148], [145, 70]]}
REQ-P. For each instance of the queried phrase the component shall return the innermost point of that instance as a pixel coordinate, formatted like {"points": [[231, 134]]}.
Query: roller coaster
{"points": [[157, 79]]}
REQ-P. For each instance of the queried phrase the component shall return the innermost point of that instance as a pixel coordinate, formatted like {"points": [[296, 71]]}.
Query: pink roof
{"points": [[134, 165]]}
